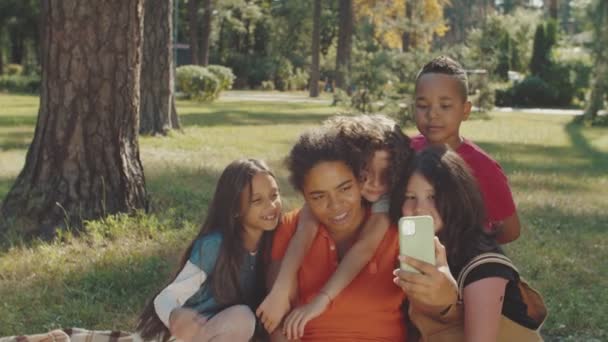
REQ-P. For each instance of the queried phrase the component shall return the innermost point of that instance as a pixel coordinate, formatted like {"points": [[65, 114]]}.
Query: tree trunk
{"points": [[206, 34], [17, 46], [408, 35], [316, 37], [84, 160], [552, 8], [157, 69], [193, 21], [599, 85], [345, 39]]}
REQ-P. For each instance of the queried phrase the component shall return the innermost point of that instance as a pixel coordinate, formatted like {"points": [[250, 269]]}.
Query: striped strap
{"points": [[481, 259]]}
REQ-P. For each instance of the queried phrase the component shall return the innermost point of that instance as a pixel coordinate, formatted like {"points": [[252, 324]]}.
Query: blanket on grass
{"points": [[76, 335]]}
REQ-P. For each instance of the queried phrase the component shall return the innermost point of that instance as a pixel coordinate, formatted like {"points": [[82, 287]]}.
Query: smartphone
{"points": [[416, 235]]}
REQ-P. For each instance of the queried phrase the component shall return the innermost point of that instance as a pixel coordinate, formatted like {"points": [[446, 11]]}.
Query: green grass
{"points": [[101, 279]]}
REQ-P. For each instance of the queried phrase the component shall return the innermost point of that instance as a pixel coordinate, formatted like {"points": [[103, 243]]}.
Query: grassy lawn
{"points": [[101, 279]]}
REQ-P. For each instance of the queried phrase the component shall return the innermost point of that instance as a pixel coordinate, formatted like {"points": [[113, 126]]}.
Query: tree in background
{"points": [[206, 31], [193, 28], [84, 160], [19, 20], [316, 37], [504, 56], [599, 88], [345, 41], [157, 110], [544, 40]]}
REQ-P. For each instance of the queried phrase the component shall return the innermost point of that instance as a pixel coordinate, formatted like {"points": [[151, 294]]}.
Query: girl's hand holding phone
{"points": [[434, 287]]}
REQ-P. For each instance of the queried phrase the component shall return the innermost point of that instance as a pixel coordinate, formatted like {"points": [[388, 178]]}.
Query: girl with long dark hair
{"points": [[221, 274]]}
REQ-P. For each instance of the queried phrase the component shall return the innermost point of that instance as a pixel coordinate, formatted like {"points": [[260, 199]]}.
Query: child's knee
{"points": [[243, 319]]}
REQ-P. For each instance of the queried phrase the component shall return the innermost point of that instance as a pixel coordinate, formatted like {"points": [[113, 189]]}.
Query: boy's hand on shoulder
{"points": [[185, 324], [272, 310], [296, 321]]}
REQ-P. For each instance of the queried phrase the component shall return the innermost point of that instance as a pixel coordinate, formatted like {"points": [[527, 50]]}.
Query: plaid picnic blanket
{"points": [[76, 335]]}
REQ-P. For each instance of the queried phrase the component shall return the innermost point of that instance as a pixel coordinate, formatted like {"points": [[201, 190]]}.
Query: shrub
{"points": [[283, 74], [267, 85], [485, 98], [533, 92], [298, 81], [20, 84], [197, 83], [224, 76], [503, 97], [14, 69]]}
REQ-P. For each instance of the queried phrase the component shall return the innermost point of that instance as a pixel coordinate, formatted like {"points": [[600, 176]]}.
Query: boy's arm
{"points": [[296, 250], [508, 230], [354, 261], [282, 276], [358, 255]]}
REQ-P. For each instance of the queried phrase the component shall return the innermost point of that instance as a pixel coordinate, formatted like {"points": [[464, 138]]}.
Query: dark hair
{"points": [[223, 215], [366, 134], [312, 147], [458, 202], [446, 66]]}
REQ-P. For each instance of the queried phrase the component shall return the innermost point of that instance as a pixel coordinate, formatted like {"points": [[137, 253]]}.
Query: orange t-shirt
{"points": [[368, 309]]}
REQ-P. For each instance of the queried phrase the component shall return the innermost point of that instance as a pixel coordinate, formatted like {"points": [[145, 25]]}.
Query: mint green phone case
{"points": [[416, 240]]}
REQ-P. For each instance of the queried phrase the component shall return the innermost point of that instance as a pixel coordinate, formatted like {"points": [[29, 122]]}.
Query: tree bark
{"points": [[84, 160], [206, 33], [345, 39], [193, 21], [316, 37], [157, 98], [552, 8], [599, 85]]}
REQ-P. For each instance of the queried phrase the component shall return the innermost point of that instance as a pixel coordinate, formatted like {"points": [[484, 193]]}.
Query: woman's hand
{"points": [[185, 324], [434, 288], [296, 321]]}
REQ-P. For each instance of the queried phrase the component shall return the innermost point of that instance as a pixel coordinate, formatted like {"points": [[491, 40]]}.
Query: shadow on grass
{"points": [[18, 120], [252, 114], [571, 161], [109, 295], [598, 159], [16, 140]]}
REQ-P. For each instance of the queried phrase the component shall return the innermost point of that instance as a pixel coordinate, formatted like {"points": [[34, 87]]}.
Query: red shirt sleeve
{"points": [[283, 234], [495, 190]]}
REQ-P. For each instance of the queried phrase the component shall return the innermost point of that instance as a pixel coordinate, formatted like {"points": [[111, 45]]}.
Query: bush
{"points": [[485, 98], [298, 81], [283, 73], [267, 85], [197, 83], [503, 97], [533, 92], [224, 75], [20, 84], [14, 69]]}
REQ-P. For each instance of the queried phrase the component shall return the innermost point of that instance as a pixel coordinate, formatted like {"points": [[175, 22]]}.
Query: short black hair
{"points": [[313, 147], [446, 66]]}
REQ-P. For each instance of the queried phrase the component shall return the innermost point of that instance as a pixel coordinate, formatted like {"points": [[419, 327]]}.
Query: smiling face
{"points": [[332, 192], [375, 177], [261, 204], [420, 200], [440, 109]]}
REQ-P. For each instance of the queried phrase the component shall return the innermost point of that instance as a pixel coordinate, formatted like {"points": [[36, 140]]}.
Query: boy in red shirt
{"points": [[441, 105]]}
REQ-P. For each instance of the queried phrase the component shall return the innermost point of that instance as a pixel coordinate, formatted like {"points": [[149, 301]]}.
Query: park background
{"points": [[116, 118]]}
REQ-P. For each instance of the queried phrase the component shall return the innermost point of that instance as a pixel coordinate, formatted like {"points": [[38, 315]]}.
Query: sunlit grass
{"points": [[101, 279]]}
